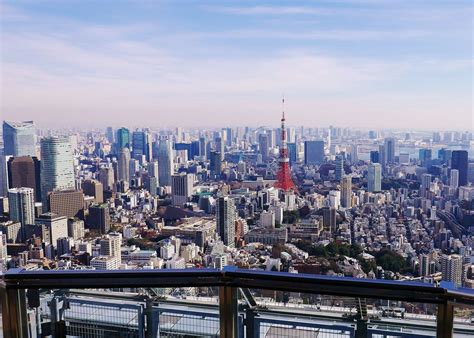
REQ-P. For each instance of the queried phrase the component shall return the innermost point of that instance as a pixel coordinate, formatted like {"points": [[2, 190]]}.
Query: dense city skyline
{"points": [[349, 63]]}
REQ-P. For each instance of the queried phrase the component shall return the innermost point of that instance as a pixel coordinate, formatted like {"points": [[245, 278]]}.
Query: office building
{"points": [[68, 203], [75, 228], [123, 138], [152, 169], [12, 230], [19, 138], [346, 195], [24, 171], [451, 268], [57, 166], [388, 151], [225, 219], [374, 177], [313, 152], [105, 263], [459, 161], [109, 135], [454, 178], [215, 165], [21, 202], [3, 250], [64, 246], [110, 245], [182, 188], [220, 147], [329, 218], [202, 147], [425, 157], [165, 162], [106, 178], [264, 147], [52, 227], [374, 156], [95, 189], [99, 218], [424, 267], [139, 144], [123, 165], [339, 170], [425, 186], [292, 153]]}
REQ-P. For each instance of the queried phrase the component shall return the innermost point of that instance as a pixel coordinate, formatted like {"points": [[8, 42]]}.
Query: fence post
{"points": [[228, 312], [14, 316], [444, 320]]}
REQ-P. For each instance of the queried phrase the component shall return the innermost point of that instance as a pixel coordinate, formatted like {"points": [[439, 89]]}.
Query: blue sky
{"points": [[363, 63]]}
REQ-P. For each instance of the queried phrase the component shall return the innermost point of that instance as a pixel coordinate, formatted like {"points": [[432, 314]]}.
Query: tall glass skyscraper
{"points": [[459, 161], [374, 179], [225, 218], [313, 152], [19, 138], [123, 138], [57, 166], [165, 162]]}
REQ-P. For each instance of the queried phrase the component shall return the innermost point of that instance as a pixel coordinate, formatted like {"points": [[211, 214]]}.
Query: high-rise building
{"points": [[68, 203], [181, 188], [110, 245], [388, 151], [3, 174], [454, 178], [215, 164], [95, 189], [19, 138], [424, 267], [75, 228], [106, 177], [24, 171], [123, 138], [374, 156], [263, 145], [425, 157], [99, 218], [313, 152], [346, 196], [109, 134], [459, 161], [57, 166], [451, 268], [225, 218], [123, 165], [139, 144], [202, 147], [329, 218], [374, 177], [425, 186], [21, 202], [292, 153], [339, 170], [152, 169], [220, 147], [52, 227], [165, 162]]}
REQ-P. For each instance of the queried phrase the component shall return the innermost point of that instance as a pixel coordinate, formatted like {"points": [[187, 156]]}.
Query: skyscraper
{"points": [[451, 268], [19, 138], [109, 134], [263, 145], [95, 189], [57, 166], [24, 171], [346, 186], [425, 184], [181, 188], [388, 151], [374, 156], [21, 202], [99, 218], [313, 152], [123, 138], [425, 157], [106, 177], [123, 165], [220, 147], [215, 165], [454, 178], [139, 144], [225, 219], [202, 146], [459, 161], [374, 178], [339, 170], [165, 162]]}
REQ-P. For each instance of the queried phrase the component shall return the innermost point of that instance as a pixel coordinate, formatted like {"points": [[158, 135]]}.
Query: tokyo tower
{"points": [[284, 181]]}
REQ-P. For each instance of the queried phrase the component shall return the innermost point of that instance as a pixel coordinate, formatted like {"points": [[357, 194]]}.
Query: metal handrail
{"points": [[243, 278], [15, 281]]}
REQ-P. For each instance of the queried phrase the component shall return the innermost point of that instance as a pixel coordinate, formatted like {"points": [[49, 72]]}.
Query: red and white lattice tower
{"points": [[284, 181]]}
